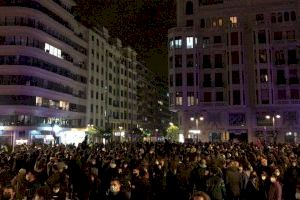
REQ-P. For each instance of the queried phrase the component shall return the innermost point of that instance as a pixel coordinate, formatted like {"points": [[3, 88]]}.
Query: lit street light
{"points": [[273, 117]]}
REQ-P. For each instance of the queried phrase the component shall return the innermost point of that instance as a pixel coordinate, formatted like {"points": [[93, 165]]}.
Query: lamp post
{"points": [[273, 117], [192, 119]]}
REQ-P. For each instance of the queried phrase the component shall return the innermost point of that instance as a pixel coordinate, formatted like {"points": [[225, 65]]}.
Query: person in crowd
{"points": [[200, 196], [115, 192], [275, 190], [233, 181]]}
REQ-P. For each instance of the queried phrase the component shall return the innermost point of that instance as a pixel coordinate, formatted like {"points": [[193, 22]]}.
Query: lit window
{"points": [[52, 50], [189, 42], [39, 101], [191, 99], [171, 44], [233, 20], [178, 42], [220, 22], [214, 23], [179, 98]]}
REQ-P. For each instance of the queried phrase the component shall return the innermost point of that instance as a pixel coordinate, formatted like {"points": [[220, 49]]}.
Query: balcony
{"points": [[35, 5]]}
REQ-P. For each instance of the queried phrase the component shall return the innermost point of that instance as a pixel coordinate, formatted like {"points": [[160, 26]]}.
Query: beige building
{"points": [[112, 83], [234, 69]]}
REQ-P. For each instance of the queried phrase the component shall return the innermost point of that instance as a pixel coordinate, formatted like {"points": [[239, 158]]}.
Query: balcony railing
{"points": [[28, 22]]}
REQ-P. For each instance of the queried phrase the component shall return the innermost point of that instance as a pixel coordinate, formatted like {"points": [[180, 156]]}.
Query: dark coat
{"points": [[233, 181]]}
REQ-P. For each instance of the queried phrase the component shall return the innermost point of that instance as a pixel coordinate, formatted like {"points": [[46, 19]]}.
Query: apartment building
{"points": [[112, 83], [234, 69], [43, 75], [152, 101]]}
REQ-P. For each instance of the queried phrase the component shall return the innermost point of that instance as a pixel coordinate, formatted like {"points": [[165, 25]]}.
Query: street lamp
{"points": [[171, 124], [273, 117], [197, 122]]}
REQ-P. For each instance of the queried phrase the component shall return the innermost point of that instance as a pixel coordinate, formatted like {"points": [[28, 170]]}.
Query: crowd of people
{"points": [[146, 171]]}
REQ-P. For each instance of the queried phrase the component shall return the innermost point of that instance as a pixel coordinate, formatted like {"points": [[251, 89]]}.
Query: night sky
{"points": [[141, 24]]}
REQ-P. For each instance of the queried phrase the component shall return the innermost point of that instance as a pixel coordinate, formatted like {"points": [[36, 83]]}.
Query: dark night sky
{"points": [[141, 24]]}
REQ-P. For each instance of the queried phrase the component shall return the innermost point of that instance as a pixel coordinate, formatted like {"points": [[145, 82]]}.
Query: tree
{"points": [[95, 133], [173, 133]]}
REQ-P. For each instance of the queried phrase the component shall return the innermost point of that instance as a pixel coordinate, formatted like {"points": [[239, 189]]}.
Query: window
{"points": [[294, 93], [262, 37], [207, 97], [262, 55], [286, 16], [171, 43], [290, 35], [207, 80], [260, 18], [189, 23], [179, 98], [279, 57], [178, 42], [234, 38], [236, 97], [235, 57], [235, 77], [237, 119], [218, 61], [189, 8], [278, 35], [178, 61], [281, 77], [191, 99], [220, 22], [206, 61], [214, 22], [206, 40], [171, 62], [202, 23], [190, 79], [92, 94], [293, 76], [171, 80], [219, 96], [293, 16], [279, 17], [265, 96], [178, 80], [52, 50], [190, 42], [281, 94], [217, 39], [219, 80], [273, 18], [292, 56], [233, 20], [263, 75], [92, 108], [190, 60]]}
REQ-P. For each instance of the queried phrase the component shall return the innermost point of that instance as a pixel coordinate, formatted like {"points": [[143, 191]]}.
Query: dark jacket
{"points": [[233, 181]]}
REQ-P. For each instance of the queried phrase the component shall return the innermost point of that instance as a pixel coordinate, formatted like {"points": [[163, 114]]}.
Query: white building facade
{"points": [[234, 70], [112, 83], [43, 74]]}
